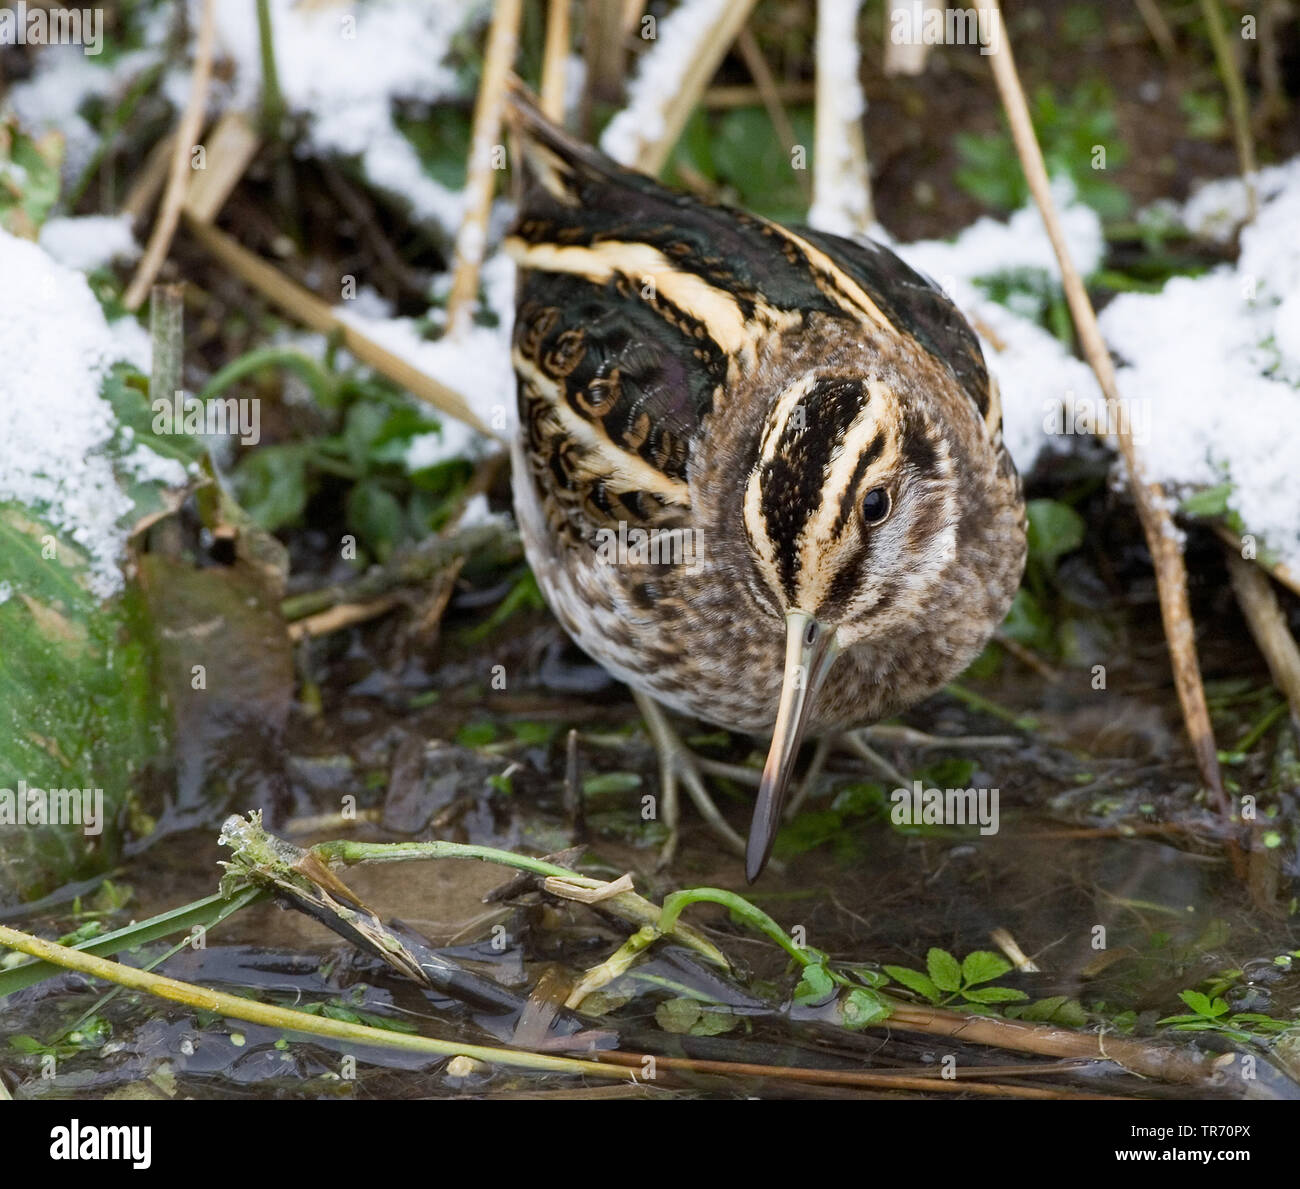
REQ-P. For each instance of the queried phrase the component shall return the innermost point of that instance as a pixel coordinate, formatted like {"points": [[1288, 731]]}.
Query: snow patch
{"points": [[89, 242], [343, 68], [1037, 377], [55, 428], [660, 74], [1216, 361]]}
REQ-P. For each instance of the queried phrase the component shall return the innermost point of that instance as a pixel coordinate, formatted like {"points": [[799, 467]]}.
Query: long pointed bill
{"points": [[810, 650]]}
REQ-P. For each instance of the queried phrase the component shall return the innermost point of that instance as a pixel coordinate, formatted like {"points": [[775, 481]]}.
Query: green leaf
{"points": [[376, 516], [983, 967], [271, 485], [690, 1017], [476, 734], [601, 1003], [949, 773], [807, 832], [1028, 624], [914, 980], [868, 976], [945, 971], [441, 144], [604, 783], [1210, 501], [534, 734], [1202, 1005], [862, 1008], [29, 178], [995, 995], [1056, 1009], [815, 986], [860, 800], [364, 423], [1055, 529], [749, 157], [713, 1023], [26, 1044]]}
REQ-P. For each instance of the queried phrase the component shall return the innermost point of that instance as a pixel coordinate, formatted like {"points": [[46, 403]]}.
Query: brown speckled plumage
{"points": [[686, 366]]}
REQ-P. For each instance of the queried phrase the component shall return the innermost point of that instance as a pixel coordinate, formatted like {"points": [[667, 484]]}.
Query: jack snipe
{"points": [[760, 473]]}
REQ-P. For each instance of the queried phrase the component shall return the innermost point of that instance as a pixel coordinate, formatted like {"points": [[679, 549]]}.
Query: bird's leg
{"points": [[853, 741], [676, 761], [809, 782], [910, 737], [857, 743]]}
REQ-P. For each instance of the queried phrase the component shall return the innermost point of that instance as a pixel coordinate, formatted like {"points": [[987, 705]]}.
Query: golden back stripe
{"points": [[622, 470], [850, 296], [640, 263]]}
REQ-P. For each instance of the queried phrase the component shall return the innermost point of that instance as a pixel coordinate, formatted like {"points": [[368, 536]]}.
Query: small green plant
{"points": [[1041, 615], [90, 1033], [367, 457], [349, 1010], [1035, 294], [1213, 1014], [29, 178], [1206, 118], [949, 983], [524, 595], [739, 154], [1071, 133]]}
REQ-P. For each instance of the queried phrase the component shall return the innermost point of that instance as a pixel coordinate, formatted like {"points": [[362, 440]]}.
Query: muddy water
{"points": [[1107, 869]]}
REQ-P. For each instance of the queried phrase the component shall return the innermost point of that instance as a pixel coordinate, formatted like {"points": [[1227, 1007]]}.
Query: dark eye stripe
{"points": [[792, 481]]}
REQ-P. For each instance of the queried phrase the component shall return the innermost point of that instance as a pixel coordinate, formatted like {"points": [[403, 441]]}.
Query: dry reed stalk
{"points": [[480, 181], [187, 132], [1157, 525]]}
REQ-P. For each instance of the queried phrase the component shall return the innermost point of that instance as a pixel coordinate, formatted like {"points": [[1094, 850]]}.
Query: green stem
{"points": [[1261, 728], [143, 82], [291, 357], [630, 905], [348, 852], [237, 1008], [272, 98], [209, 911], [677, 902], [1232, 83], [1023, 722]]}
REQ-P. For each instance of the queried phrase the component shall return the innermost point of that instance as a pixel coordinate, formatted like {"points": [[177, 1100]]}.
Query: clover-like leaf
{"points": [[944, 969], [983, 967], [1203, 1005], [914, 980]]}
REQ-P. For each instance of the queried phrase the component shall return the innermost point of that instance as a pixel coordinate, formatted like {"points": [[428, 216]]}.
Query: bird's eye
{"points": [[875, 505]]}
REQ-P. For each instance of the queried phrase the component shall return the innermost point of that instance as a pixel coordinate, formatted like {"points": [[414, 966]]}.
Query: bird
{"points": [[759, 472]]}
